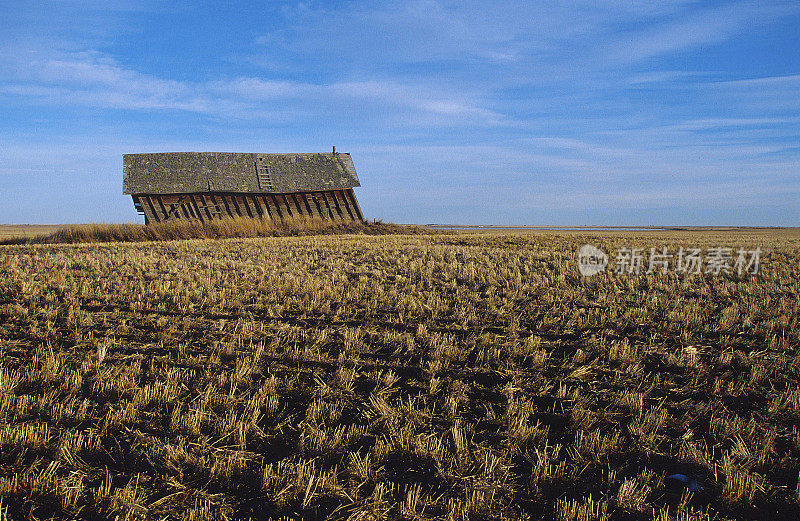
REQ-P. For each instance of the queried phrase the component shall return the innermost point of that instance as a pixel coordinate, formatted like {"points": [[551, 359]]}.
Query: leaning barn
{"points": [[214, 185]]}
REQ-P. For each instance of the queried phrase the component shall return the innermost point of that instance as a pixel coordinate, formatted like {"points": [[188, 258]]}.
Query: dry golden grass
{"points": [[17, 231], [221, 229], [469, 376]]}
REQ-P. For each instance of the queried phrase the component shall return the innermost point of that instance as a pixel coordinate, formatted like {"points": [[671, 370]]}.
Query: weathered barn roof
{"points": [[192, 172]]}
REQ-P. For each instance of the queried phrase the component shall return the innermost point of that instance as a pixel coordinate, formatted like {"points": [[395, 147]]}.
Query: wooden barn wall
{"points": [[328, 204]]}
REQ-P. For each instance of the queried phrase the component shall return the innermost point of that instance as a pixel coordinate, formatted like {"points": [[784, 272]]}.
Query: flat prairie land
{"points": [[17, 231], [450, 376]]}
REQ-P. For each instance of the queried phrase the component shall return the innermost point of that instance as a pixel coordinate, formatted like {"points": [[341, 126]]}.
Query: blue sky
{"points": [[577, 112]]}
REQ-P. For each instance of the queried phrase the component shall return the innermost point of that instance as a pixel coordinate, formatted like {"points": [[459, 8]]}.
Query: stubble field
{"points": [[465, 376], [17, 231]]}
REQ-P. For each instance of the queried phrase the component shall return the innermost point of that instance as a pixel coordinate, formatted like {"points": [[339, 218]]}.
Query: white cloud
{"points": [[693, 30], [94, 79], [662, 77], [790, 80]]}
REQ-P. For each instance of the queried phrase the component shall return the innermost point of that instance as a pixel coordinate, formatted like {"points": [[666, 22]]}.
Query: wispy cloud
{"points": [[665, 77], [97, 80], [693, 29], [791, 81], [94, 79]]}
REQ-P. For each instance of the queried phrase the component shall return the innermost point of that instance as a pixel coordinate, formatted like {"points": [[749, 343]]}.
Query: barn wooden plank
{"points": [[333, 210], [333, 205], [274, 206], [235, 206], [149, 210], [242, 200], [137, 204], [295, 203], [229, 208], [161, 207], [212, 206], [346, 211], [238, 212], [324, 204], [324, 207], [262, 199], [260, 204], [354, 203], [216, 209], [291, 207], [342, 204], [197, 201], [302, 204], [246, 204], [172, 206], [158, 204], [177, 209], [269, 208], [311, 204], [346, 202], [316, 211], [219, 200], [204, 207], [184, 209], [198, 213], [251, 211]]}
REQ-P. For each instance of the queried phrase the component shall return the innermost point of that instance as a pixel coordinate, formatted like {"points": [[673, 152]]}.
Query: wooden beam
{"points": [[196, 207], [329, 208], [324, 204], [334, 204], [333, 208], [269, 206], [348, 205], [306, 204], [236, 202], [229, 207], [253, 202], [171, 206], [296, 209], [161, 209], [149, 210], [354, 202], [216, 206], [311, 204], [291, 205], [251, 212], [274, 206], [234, 205], [343, 207]]}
